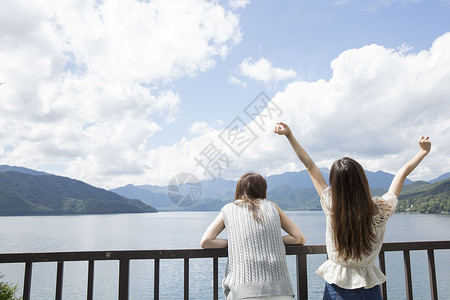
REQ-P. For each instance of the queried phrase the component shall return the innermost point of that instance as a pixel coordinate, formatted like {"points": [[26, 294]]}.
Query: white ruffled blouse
{"points": [[352, 274]]}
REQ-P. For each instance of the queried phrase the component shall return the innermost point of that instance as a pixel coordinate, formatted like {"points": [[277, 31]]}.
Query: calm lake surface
{"points": [[183, 230]]}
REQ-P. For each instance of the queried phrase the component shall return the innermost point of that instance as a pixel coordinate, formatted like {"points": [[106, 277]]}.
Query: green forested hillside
{"points": [[425, 197], [24, 194]]}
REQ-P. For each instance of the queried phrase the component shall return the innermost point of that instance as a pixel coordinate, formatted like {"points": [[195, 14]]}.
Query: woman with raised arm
{"points": [[256, 267], [355, 221]]}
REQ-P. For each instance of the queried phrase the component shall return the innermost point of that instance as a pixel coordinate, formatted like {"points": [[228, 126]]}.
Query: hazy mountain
{"points": [[295, 180], [5, 168], [301, 179], [28, 192], [442, 177], [155, 199], [382, 180], [291, 190], [25, 194], [154, 188], [218, 189]]}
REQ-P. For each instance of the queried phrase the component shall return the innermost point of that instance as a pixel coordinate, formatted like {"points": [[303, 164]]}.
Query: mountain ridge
{"points": [[294, 187], [25, 194], [290, 190]]}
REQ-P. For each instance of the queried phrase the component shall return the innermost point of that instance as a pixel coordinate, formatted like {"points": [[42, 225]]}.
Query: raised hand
{"points": [[317, 178], [425, 144], [282, 129], [399, 178]]}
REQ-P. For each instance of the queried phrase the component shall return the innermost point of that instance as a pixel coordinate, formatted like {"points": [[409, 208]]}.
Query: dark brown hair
{"points": [[250, 188], [352, 209]]}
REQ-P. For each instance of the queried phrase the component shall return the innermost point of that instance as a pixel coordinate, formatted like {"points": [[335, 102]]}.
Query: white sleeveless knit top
{"points": [[256, 253]]}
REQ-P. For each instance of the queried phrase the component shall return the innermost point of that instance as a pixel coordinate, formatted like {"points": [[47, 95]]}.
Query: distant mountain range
{"points": [[5, 168], [28, 192], [290, 190], [442, 177]]}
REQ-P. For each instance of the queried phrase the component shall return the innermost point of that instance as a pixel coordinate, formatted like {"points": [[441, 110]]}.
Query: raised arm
{"points": [[316, 176], [209, 239], [295, 235], [399, 179]]}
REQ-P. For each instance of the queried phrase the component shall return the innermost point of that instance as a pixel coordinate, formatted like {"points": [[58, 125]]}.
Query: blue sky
{"points": [[304, 36], [122, 91]]}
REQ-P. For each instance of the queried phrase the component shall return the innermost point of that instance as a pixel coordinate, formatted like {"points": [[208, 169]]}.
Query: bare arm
{"points": [[295, 235], [316, 176], [209, 239], [399, 179]]}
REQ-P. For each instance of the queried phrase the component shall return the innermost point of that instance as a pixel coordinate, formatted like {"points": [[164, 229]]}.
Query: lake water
{"points": [[183, 230]]}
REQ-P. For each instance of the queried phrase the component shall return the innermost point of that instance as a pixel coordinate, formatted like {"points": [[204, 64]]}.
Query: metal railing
{"points": [[124, 257]]}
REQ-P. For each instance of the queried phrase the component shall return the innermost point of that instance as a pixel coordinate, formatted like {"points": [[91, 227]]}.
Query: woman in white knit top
{"points": [[256, 267], [355, 221]]}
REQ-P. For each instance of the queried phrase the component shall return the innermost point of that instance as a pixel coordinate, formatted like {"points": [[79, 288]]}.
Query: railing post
{"points": [[432, 271], [27, 281], [382, 260], [408, 281], [186, 279], [156, 280], [302, 275], [124, 277], [90, 288], [59, 280], [216, 278]]}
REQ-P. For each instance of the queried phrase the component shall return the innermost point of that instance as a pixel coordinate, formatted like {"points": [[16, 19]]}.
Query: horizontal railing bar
{"points": [[135, 254], [190, 253], [308, 249], [400, 246], [110, 255]]}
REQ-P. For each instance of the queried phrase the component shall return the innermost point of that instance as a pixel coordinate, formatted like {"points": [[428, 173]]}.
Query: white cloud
{"points": [[146, 41], [235, 4], [237, 81], [372, 5], [85, 88], [200, 128], [85, 83], [262, 70], [404, 48], [374, 108]]}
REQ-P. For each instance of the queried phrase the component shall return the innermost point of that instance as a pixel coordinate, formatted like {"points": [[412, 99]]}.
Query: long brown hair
{"points": [[250, 188], [352, 209]]}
